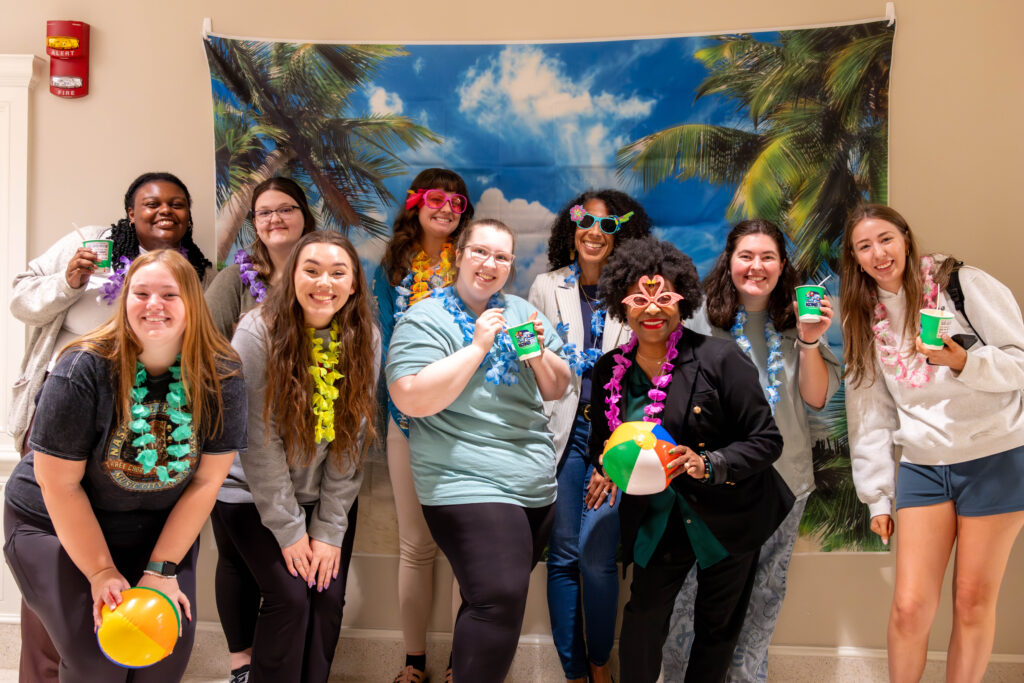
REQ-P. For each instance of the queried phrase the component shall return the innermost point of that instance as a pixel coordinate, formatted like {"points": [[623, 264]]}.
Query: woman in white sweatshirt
{"points": [[957, 413]]}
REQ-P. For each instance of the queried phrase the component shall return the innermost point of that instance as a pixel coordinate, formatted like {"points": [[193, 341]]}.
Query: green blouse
{"points": [[705, 546]]}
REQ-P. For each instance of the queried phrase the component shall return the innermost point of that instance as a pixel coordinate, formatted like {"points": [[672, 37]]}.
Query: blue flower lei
{"points": [[504, 365], [250, 276], [774, 339], [583, 359]]}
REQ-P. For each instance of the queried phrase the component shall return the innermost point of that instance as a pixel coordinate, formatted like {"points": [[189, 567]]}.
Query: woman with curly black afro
{"points": [[584, 235], [724, 500], [750, 301]]}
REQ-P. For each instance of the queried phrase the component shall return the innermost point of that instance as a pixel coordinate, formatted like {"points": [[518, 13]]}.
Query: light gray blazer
{"points": [[561, 304]]}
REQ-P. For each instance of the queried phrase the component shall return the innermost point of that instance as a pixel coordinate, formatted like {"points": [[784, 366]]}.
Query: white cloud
{"points": [[384, 102], [417, 66]]}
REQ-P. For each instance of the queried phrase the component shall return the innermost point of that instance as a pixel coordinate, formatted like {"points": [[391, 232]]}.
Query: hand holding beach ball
{"points": [[636, 457], [140, 631]]}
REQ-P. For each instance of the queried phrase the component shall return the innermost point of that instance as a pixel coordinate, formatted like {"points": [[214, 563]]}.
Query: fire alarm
{"points": [[67, 43]]}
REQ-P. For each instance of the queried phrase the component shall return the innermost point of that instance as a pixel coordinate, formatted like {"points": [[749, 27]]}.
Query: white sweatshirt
{"points": [[956, 416]]}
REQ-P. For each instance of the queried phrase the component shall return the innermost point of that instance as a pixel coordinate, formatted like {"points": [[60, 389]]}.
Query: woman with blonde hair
{"points": [[135, 430], [957, 413]]}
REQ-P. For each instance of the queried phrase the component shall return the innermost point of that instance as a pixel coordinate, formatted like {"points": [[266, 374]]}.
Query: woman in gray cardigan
{"points": [[310, 355], [582, 580]]}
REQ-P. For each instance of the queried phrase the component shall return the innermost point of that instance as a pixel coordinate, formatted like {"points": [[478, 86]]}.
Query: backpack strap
{"points": [[956, 293]]}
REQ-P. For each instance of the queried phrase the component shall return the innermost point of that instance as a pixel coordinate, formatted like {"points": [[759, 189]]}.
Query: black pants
{"points": [[61, 597], [492, 548], [296, 632], [238, 594], [723, 591]]}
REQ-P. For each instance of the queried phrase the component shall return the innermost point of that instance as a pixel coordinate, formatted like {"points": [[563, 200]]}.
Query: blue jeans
{"points": [[582, 574]]}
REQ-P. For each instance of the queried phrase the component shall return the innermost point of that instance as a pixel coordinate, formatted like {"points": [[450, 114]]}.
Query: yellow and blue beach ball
{"points": [[636, 456]]}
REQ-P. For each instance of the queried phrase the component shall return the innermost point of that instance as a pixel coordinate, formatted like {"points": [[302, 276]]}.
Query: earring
{"points": [[572, 254]]}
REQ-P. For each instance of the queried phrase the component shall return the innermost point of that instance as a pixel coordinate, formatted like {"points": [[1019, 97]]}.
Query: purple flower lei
{"points": [[112, 287], [660, 382], [250, 276]]}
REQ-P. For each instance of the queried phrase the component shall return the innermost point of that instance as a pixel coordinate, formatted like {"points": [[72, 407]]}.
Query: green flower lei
{"points": [[176, 412], [324, 379]]}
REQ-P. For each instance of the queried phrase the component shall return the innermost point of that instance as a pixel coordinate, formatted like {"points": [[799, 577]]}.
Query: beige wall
{"points": [[957, 97]]}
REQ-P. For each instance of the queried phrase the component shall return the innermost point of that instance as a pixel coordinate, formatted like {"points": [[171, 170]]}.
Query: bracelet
{"points": [[808, 345], [708, 471], [157, 574]]}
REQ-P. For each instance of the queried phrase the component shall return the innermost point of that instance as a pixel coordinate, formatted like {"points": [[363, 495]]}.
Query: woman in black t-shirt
{"points": [[135, 430]]}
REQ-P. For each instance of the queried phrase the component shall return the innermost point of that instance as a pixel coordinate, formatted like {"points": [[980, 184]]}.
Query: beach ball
{"points": [[636, 456], [141, 631]]}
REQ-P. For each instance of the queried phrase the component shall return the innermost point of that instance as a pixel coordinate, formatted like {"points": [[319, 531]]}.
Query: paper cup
{"points": [[524, 340], [101, 248], [808, 303], [934, 324]]}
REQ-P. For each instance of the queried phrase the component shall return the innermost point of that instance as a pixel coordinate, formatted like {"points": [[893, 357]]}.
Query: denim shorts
{"points": [[987, 486]]}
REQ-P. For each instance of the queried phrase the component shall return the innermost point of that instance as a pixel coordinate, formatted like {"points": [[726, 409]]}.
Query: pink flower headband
{"points": [[659, 297]]}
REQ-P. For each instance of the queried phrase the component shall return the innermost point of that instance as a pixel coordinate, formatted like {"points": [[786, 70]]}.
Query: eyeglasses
{"points": [[659, 298], [479, 254], [285, 212], [584, 221], [436, 199]]}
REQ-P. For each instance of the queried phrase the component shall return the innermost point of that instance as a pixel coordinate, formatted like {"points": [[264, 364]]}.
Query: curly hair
{"points": [[405, 233], [257, 250], [722, 297], [289, 387], [562, 242], [126, 240], [649, 256]]}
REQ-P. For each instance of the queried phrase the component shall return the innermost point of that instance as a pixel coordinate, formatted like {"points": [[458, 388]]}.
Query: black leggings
{"points": [[60, 595], [492, 548], [238, 594], [297, 630]]}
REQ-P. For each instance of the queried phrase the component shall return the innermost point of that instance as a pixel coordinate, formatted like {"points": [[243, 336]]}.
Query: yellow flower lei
{"points": [[422, 272], [325, 377]]}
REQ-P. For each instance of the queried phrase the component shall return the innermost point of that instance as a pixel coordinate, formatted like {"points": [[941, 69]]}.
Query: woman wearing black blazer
{"points": [[729, 499]]}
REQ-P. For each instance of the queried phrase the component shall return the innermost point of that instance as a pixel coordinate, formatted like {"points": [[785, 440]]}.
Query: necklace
{"points": [[176, 412], [421, 279], [250, 276], [774, 340], [504, 365], [112, 287], [325, 379], [916, 372], [581, 360], [657, 394]]}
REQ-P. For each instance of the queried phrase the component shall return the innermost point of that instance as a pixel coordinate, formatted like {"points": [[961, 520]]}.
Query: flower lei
{"points": [[774, 340], [176, 412], [917, 372], [504, 365], [660, 382], [581, 360], [250, 276], [325, 377], [421, 279], [112, 287]]}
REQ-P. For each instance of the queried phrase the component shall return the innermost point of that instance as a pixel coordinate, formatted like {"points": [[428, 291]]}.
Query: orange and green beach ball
{"points": [[141, 631], [636, 455]]}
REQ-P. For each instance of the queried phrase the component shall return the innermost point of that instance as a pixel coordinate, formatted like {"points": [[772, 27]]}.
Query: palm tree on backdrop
{"points": [[284, 107], [817, 101]]}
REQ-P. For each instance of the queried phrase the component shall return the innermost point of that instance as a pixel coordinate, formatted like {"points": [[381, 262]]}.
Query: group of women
{"points": [[148, 421]]}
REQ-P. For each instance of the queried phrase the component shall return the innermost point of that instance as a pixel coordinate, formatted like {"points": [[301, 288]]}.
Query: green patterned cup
{"points": [[808, 303], [934, 324], [101, 248], [524, 340]]}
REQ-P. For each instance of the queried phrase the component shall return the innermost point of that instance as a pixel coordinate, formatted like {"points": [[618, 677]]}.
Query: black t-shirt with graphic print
{"points": [[75, 420]]}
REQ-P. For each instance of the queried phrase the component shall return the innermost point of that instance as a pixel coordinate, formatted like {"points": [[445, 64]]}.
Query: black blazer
{"points": [[715, 404]]}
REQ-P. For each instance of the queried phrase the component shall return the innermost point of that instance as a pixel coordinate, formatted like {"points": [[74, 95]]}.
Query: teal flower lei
{"points": [[504, 365], [581, 360], [176, 412], [775, 367]]}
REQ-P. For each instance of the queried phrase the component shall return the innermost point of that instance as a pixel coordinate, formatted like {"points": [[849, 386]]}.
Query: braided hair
{"points": [[126, 240]]}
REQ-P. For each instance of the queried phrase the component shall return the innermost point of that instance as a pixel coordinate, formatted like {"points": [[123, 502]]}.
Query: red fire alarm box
{"points": [[67, 43]]}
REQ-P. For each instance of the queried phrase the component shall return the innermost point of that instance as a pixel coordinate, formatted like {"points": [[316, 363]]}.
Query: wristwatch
{"points": [[167, 569]]}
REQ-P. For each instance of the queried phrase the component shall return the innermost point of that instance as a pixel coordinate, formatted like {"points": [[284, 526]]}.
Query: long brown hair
{"points": [[721, 295], [206, 357], [406, 231], [289, 385], [258, 253]]}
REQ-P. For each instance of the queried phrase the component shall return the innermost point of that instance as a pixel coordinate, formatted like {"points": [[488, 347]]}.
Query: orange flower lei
{"points": [[422, 273]]}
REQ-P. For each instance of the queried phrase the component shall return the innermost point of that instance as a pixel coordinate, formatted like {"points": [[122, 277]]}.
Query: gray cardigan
{"points": [[262, 474], [561, 304]]}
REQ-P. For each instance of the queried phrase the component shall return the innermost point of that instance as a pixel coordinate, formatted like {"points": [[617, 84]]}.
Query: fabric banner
{"points": [[786, 125]]}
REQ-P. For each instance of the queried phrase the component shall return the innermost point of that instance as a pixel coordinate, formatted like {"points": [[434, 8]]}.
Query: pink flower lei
{"points": [[916, 372], [660, 382]]}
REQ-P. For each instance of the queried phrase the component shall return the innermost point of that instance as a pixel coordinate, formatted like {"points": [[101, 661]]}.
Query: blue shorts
{"points": [[987, 486]]}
